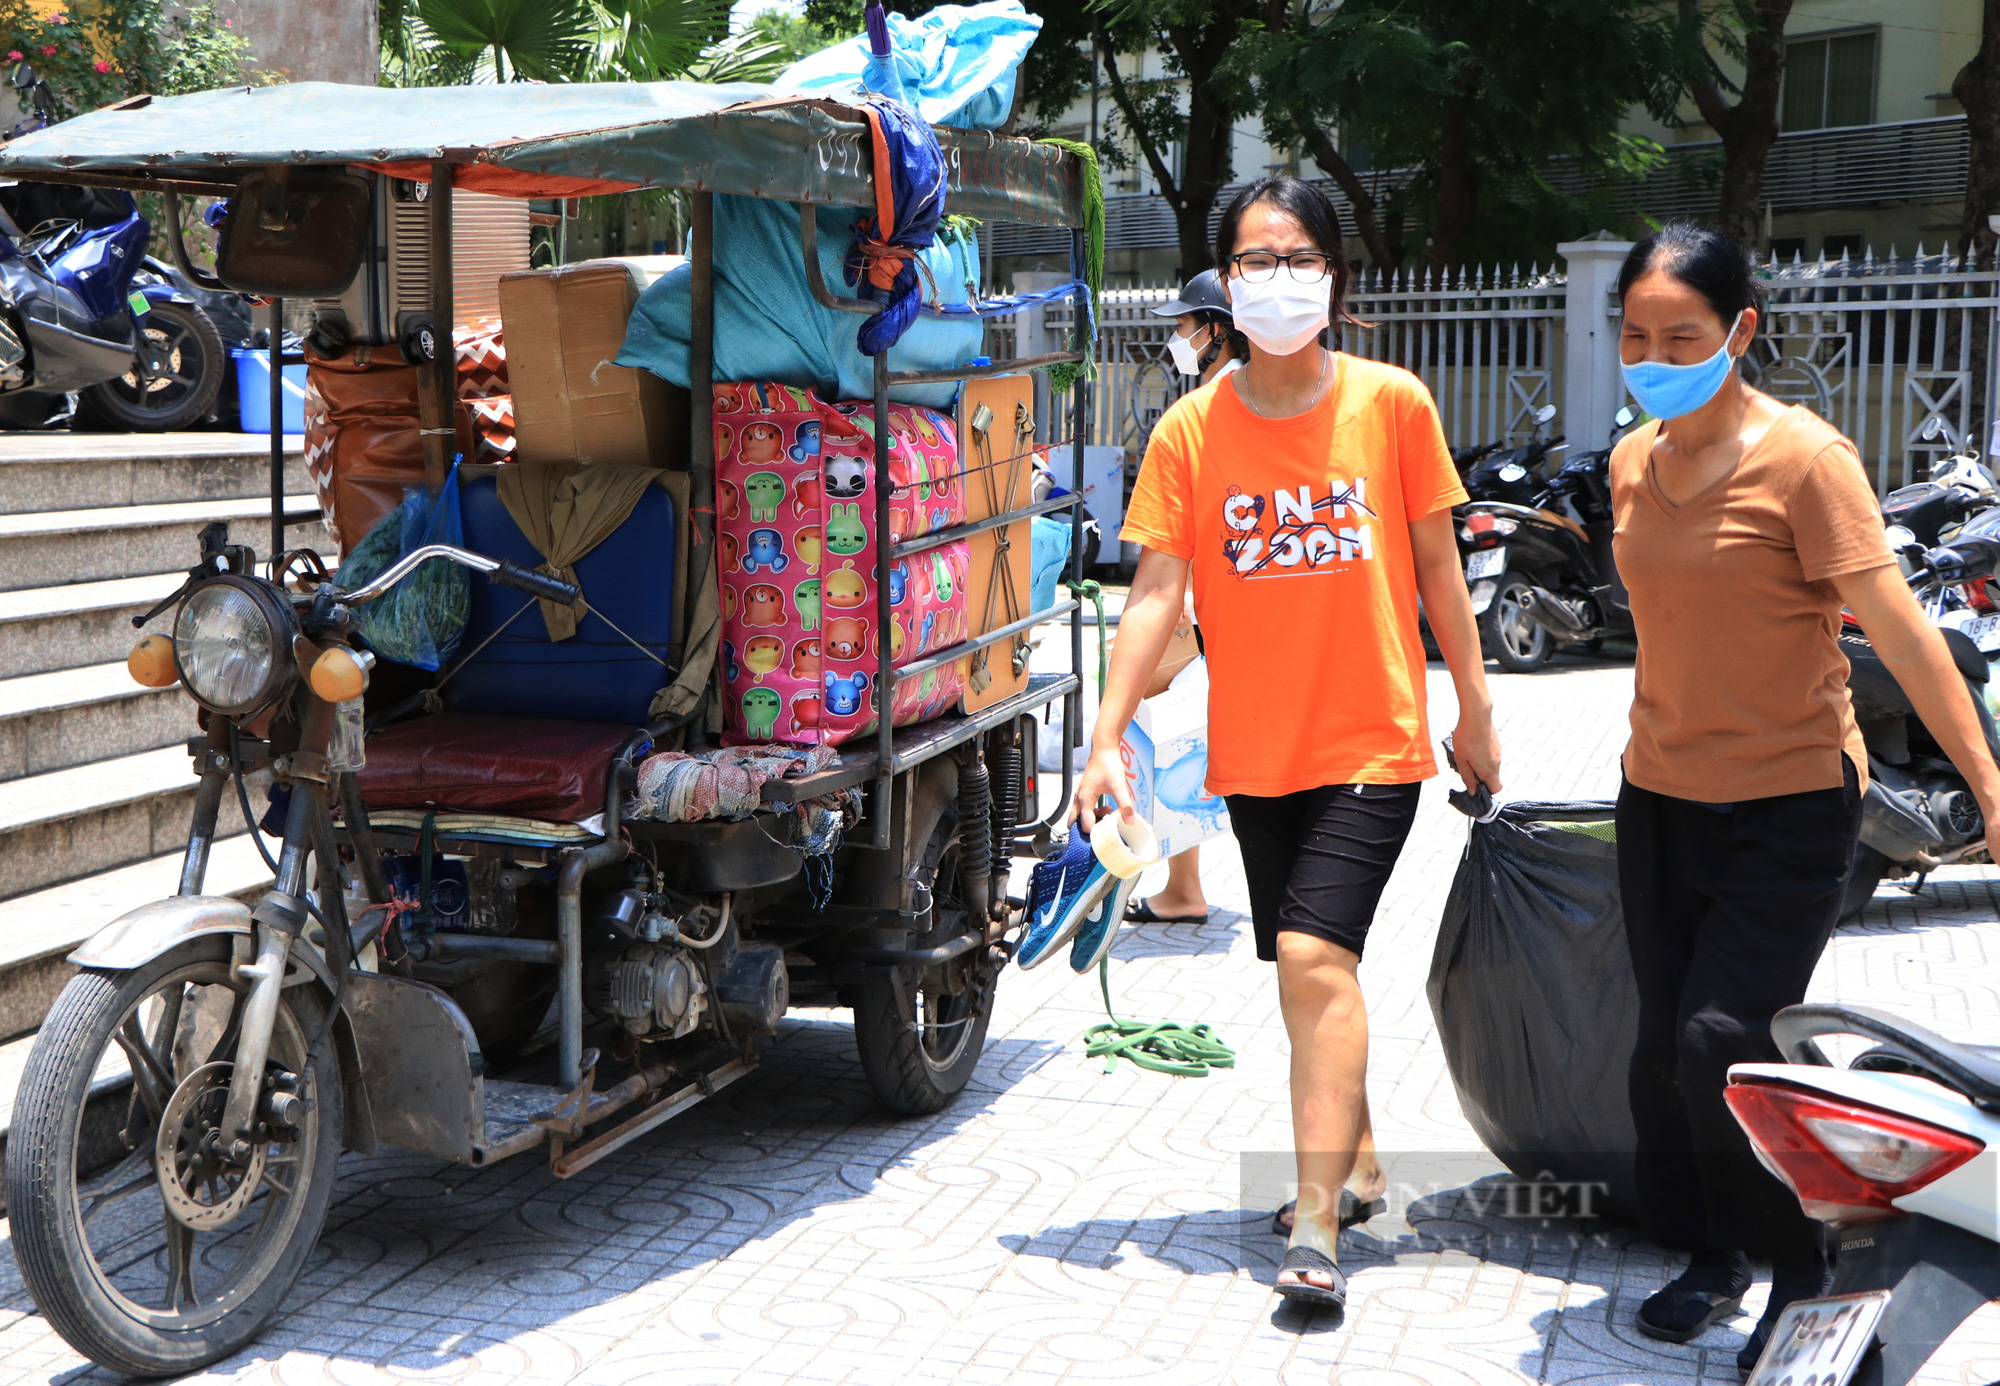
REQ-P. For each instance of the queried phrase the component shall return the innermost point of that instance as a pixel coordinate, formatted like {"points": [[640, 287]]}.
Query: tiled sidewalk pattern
{"points": [[1058, 1223]]}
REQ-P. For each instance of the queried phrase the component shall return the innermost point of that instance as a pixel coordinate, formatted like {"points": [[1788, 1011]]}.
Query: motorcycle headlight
{"points": [[233, 645]]}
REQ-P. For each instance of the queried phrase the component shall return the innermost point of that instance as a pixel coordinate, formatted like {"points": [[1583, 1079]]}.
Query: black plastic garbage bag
{"points": [[1532, 991]]}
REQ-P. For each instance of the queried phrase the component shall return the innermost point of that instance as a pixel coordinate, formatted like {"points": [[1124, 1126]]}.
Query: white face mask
{"points": [[1187, 360], [1281, 314]]}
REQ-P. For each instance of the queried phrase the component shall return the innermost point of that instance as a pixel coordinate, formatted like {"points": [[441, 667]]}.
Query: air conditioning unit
{"points": [[390, 300]]}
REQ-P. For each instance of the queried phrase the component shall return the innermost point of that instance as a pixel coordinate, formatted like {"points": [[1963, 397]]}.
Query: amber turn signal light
{"points": [[338, 676], [151, 662]]}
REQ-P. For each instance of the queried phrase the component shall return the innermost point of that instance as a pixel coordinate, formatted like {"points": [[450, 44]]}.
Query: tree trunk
{"points": [[1749, 128], [1367, 221], [1458, 188], [1977, 88], [1204, 172]]}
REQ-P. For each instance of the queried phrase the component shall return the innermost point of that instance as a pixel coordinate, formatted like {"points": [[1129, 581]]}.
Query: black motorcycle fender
{"points": [[1937, 1275]]}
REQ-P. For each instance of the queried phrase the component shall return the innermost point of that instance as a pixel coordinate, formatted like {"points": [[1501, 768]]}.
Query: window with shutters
{"points": [[1830, 81]]}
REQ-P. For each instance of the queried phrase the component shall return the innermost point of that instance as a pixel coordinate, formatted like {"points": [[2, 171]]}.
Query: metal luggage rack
{"points": [[893, 755]]}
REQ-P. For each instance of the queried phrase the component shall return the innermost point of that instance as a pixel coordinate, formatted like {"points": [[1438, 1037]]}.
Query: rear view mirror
{"points": [[295, 232], [1932, 427], [1623, 418], [1545, 413]]}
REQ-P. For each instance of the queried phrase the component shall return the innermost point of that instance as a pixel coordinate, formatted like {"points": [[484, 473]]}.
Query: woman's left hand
{"points": [[1476, 747]]}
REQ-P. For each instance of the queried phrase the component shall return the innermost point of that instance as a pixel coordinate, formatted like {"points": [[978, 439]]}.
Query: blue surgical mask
{"points": [[1667, 391]]}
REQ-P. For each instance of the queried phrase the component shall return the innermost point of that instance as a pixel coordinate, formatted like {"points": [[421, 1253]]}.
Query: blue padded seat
{"points": [[595, 675]]}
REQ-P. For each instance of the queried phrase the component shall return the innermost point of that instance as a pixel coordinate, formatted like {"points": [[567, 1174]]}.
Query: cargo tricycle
{"points": [[512, 958]]}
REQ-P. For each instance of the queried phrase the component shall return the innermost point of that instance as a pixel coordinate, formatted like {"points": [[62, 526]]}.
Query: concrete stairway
{"points": [[96, 787]]}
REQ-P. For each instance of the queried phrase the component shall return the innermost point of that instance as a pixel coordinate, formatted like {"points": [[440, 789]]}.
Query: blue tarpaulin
{"points": [[769, 327], [956, 63]]}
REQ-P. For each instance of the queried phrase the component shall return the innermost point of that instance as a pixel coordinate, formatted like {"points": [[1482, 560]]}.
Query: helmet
{"points": [[1201, 294]]}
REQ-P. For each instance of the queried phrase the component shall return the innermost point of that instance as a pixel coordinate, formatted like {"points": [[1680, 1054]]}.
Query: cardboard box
{"points": [[571, 404], [997, 463]]}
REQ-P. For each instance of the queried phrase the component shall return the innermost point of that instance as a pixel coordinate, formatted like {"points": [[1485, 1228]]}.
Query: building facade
{"points": [[1871, 154]]}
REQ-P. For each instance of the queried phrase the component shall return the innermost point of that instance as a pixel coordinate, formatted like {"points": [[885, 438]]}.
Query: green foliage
{"points": [[100, 51], [1475, 98], [450, 42], [795, 35]]}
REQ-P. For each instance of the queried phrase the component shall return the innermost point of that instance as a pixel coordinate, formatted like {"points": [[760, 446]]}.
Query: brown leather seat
{"points": [[525, 767]]}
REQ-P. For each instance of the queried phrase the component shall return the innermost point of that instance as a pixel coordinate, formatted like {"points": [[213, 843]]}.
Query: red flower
{"points": [[14, 55], [101, 65], [48, 50], [58, 19]]}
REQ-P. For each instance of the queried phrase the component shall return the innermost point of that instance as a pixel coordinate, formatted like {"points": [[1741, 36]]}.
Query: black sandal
{"points": [[1353, 1212], [1711, 1308], [1142, 912], [1302, 1260]]}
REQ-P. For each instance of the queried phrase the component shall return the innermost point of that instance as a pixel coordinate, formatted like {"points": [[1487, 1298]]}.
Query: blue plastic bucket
{"points": [[253, 392]]}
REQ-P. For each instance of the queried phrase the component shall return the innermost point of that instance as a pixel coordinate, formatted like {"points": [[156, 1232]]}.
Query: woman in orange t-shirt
{"points": [[1308, 496], [1742, 529]]}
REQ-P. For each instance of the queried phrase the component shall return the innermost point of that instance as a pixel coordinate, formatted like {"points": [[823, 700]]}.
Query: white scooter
{"points": [[1899, 1155]]}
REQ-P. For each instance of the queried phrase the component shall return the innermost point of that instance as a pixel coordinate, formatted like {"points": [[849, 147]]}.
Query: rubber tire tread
{"points": [[1489, 633], [99, 410], [892, 1056], [42, 1137]]}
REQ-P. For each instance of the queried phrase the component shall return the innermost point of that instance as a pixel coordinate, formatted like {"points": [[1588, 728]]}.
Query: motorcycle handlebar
{"points": [[549, 589], [1965, 560], [503, 571]]}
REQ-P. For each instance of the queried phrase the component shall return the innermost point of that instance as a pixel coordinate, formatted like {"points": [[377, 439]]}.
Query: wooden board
{"points": [[997, 463]]}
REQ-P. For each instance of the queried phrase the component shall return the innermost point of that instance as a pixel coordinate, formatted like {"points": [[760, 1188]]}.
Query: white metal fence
{"points": [[1876, 346]]}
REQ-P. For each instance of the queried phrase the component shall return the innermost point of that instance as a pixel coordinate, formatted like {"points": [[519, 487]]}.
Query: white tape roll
{"points": [[1124, 848]]}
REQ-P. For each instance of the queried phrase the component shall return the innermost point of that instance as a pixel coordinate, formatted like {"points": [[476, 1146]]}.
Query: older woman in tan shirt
{"points": [[1743, 528]]}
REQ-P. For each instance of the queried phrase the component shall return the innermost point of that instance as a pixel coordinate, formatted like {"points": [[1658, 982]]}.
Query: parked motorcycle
{"points": [[1960, 486], [1919, 813], [1895, 1153], [1538, 555], [81, 309]]}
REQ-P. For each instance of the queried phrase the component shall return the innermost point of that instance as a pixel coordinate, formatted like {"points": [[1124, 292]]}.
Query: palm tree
{"points": [[450, 42]]}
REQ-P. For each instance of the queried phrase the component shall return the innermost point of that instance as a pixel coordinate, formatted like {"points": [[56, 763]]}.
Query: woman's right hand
{"points": [[1103, 777]]}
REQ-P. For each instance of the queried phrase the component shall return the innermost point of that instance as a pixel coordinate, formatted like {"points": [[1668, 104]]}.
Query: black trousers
{"points": [[1726, 914]]}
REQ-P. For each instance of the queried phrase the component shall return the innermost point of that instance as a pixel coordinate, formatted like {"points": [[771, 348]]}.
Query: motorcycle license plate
{"points": [[1820, 1340], [1493, 562], [1985, 633]]}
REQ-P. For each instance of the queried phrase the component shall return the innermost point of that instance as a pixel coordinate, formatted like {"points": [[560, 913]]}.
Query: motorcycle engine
{"points": [[652, 987]]}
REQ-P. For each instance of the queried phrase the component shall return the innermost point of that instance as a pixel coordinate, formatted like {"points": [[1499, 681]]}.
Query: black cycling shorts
{"points": [[1318, 859]]}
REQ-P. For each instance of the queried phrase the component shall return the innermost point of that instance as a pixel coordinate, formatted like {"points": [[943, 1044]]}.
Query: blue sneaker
{"points": [[1093, 940], [1062, 891]]}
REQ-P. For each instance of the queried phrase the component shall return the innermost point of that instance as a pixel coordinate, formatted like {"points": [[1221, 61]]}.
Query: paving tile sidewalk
{"points": [[1057, 1223]]}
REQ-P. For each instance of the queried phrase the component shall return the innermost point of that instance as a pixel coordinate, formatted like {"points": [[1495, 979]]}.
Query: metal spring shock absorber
{"points": [[1006, 774], [975, 834]]}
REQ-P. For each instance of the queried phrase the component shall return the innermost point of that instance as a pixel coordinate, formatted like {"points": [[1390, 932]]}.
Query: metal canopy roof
{"points": [[531, 140]]}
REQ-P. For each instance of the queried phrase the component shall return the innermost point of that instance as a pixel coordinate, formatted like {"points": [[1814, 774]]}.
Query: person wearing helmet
{"points": [[1205, 341], [1205, 344]]}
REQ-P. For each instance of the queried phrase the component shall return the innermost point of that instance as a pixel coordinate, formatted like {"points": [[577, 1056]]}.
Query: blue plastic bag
{"points": [[957, 63], [769, 327], [421, 620], [1048, 551]]}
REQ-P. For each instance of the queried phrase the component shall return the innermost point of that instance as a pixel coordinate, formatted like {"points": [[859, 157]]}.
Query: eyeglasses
{"points": [[1259, 265]]}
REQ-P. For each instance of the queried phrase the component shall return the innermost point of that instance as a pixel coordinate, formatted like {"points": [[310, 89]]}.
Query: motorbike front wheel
{"points": [[178, 397], [173, 1257], [1521, 643]]}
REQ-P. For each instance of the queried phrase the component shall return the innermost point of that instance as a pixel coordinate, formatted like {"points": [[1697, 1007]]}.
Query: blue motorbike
{"points": [[84, 311]]}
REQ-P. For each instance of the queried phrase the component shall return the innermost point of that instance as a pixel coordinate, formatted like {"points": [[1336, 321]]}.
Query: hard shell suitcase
{"points": [[996, 429]]}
